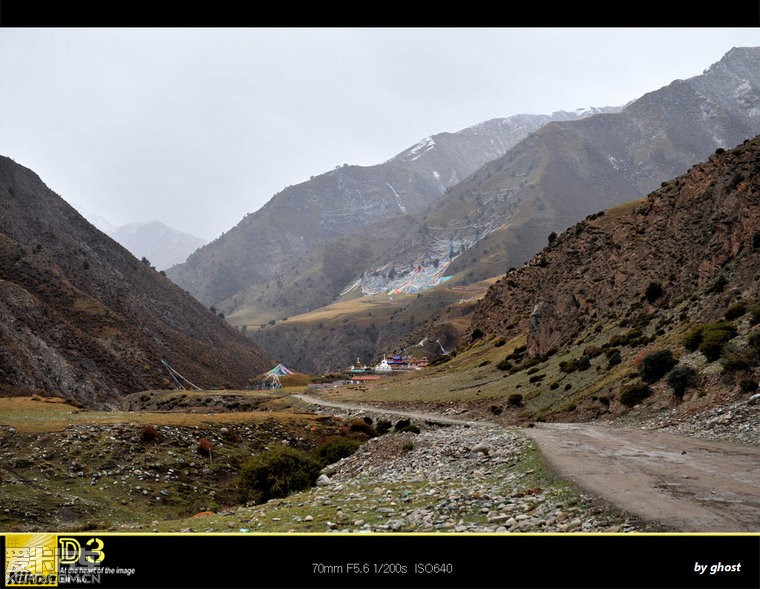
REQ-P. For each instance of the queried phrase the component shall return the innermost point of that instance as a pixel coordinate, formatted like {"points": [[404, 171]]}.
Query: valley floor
{"points": [[462, 473]]}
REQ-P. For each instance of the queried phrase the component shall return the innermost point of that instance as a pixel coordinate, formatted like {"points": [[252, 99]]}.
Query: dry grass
{"points": [[30, 416]]}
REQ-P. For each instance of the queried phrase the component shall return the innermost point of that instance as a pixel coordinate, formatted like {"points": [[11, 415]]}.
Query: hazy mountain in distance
{"points": [[502, 214], [162, 245], [269, 243], [82, 318]]}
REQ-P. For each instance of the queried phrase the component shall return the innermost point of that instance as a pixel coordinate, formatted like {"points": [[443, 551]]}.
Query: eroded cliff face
{"points": [[697, 238]]}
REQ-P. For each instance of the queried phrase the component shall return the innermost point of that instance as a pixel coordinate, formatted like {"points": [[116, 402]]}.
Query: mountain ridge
{"points": [[340, 201], [82, 318]]}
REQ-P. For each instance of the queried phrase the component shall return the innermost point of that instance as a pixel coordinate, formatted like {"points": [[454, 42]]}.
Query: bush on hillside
{"points": [[276, 472], [656, 365], [736, 310], [634, 393], [653, 292], [335, 448], [383, 426], [748, 385], [754, 339], [360, 426], [682, 378], [515, 400], [581, 363], [709, 338]]}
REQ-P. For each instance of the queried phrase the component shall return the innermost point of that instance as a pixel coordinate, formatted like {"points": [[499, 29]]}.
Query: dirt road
{"points": [[682, 483], [431, 417]]}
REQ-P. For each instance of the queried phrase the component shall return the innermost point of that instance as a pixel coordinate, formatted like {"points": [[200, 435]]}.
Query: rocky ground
{"points": [[737, 422], [449, 479]]}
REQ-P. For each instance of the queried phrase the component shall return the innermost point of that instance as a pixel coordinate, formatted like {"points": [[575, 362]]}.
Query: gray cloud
{"points": [[198, 127]]}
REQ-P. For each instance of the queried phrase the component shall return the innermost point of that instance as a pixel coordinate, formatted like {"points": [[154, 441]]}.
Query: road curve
{"points": [[683, 483]]}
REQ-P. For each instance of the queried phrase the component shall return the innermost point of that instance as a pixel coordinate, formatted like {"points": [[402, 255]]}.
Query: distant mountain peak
{"points": [[162, 245]]}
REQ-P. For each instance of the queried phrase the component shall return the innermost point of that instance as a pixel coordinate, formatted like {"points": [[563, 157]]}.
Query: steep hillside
{"points": [[675, 273], [503, 213], [269, 244], [162, 245], [82, 318], [697, 231]]}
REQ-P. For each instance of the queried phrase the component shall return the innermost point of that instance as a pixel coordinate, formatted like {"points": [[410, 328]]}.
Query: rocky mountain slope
{"points": [[162, 245], [667, 284], [697, 231], [82, 318], [269, 245], [504, 212]]}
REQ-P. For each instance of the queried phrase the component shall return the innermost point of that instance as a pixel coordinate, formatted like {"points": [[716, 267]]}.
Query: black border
{"points": [[540, 561], [228, 13]]}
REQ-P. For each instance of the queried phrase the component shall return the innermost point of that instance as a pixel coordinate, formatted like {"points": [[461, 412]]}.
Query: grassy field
{"points": [[39, 414]]}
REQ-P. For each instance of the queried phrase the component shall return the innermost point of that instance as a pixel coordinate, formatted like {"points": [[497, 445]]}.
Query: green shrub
{"points": [[713, 342], [415, 429], [362, 427], [477, 333], [736, 310], [656, 365], [709, 338], [515, 400], [592, 351], [536, 378], [496, 409], [499, 342], [581, 363], [754, 339], [505, 365], [335, 448], [754, 314], [653, 292], [692, 339], [748, 385], [634, 393], [734, 359], [484, 363], [630, 338], [614, 358], [401, 424], [276, 472], [383, 426], [682, 378]]}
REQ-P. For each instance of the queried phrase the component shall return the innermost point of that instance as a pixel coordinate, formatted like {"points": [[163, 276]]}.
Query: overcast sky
{"points": [[197, 127]]}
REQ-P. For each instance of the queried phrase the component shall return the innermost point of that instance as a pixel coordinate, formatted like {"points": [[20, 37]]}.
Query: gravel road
{"points": [[679, 482], [683, 483]]}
